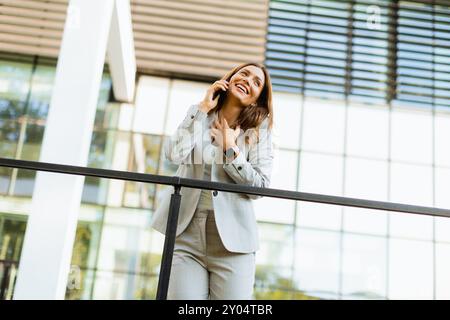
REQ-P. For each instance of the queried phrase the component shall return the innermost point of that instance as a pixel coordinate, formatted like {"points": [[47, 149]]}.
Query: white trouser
{"points": [[202, 268]]}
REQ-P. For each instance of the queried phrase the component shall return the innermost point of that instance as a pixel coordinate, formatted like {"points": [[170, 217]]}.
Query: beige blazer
{"points": [[234, 213]]}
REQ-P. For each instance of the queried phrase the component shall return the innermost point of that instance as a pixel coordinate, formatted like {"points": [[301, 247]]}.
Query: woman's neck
{"points": [[230, 112]]}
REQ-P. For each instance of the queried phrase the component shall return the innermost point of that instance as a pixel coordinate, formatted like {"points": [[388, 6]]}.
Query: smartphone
{"points": [[217, 93]]}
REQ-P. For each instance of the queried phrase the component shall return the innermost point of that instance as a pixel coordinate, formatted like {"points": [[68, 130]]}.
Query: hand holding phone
{"points": [[213, 94]]}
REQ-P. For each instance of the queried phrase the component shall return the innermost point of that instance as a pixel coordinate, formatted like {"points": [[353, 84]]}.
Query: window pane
{"points": [[317, 263], [364, 267], [24, 184], [14, 87], [287, 119], [410, 269], [124, 241], [276, 246], [150, 105], [412, 184], [318, 215], [145, 154], [442, 268], [9, 137], [442, 139], [110, 285], [105, 110], [323, 126], [12, 233], [321, 173], [412, 136], [367, 179], [95, 189], [284, 176], [442, 225], [183, 94], [83, 260], [41, 91], [367, 131], [119, 161], [365, 221]]}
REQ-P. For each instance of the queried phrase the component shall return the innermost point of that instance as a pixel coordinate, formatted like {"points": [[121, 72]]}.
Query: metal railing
{"points": [[178, 182]]}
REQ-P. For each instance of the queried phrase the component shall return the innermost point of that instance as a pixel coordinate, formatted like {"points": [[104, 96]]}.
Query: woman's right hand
{"points": [[210, 100]]}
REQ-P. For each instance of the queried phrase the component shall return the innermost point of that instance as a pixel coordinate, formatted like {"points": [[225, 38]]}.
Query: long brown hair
{"points": [[252, 116]]}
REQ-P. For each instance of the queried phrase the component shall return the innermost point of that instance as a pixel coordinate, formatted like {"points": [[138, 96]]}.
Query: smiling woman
{"points": [[217, 232], [248, 98]]}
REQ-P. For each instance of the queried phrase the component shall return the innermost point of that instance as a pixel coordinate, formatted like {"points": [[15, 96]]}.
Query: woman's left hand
{"points": [[223, 135]]}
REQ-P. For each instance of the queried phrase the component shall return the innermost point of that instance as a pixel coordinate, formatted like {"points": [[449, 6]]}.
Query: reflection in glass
{"points": [[125, 241], [182, 95], [102, 115], [284, 176], [365, 221], [321, 173], [10, 109], [273, 279], [95, 189], [9, 137], [318, 215], [442, 268], [409, 143], [145, 154], [151, 104], [367, 131], [410, 269], [364, 267], [41, 91], [442, 138], [287, 121], [12, 232], [323, 126], [84, 255], [317, 263], [411, 184], [14, 87], [24, 183], [366, 179]]}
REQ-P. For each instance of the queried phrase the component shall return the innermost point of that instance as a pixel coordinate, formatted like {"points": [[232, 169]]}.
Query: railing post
{"points": [[169, 244]]}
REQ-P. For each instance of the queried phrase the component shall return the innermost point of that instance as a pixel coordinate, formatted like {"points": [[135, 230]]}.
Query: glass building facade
{"points": [[359, 112]]}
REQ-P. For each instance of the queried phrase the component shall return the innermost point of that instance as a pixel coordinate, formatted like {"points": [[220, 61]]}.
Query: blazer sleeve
{"points": [[182, 142], [257, 170]]}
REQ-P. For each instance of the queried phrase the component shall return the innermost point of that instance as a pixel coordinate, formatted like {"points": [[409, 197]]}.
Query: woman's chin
{"points": [[238, 98]]}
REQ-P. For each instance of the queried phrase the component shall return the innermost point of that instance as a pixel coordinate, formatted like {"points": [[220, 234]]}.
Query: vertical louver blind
{"points": [[377, 51]]}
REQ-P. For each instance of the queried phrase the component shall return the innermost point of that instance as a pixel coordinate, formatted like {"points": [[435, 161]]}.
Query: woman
{"points": [[224, 138]]}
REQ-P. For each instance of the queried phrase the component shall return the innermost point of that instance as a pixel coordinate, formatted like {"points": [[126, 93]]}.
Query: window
{"points": [[323, 126], [367, 131], [183, 94], [410, 269], [287, 119], [377, 51], [317, 263], [364, 267], [321, 173], [151, 95], [366, 179], [412, 136], [284, 176]]}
